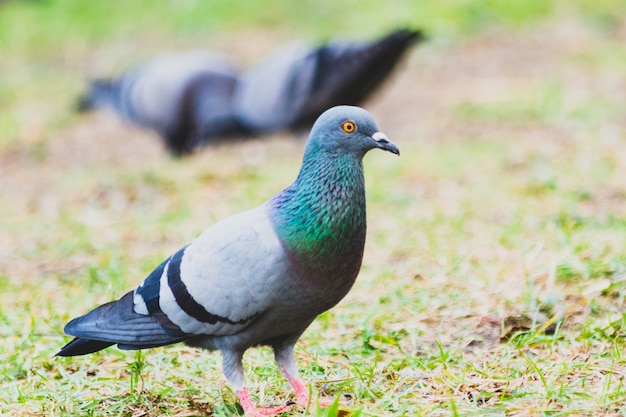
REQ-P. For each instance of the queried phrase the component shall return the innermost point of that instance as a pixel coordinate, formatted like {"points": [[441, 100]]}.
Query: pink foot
{"points": [[304, 400], [327, 402], [251, 410]]}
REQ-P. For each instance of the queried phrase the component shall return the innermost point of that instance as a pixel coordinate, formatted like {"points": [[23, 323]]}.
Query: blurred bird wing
{"points": [[269, 93]]}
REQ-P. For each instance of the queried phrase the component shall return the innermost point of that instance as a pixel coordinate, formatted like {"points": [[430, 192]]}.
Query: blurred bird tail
{"points": [[348, 73], [101, 93]]}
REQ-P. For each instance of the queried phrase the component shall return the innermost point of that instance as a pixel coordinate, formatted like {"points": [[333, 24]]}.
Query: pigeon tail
{"points": [[117, 323], [80, 346]]}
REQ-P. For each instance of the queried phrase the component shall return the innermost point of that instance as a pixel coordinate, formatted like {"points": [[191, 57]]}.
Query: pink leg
{"points": [[287, 365], [251, 410], [302, 393], [303, 398]]}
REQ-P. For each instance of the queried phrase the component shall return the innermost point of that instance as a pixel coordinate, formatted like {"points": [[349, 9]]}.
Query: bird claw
{"points": [[305, 401], [266, 411], [251, 410], [346, 400]]}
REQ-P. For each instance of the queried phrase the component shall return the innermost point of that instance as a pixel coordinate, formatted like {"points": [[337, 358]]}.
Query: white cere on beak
{"points": [[380, 137]]}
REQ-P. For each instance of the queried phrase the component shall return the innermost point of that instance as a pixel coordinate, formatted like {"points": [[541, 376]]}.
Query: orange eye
{"points": [[348, 127]]}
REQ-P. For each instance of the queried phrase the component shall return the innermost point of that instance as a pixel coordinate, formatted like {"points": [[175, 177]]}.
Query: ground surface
{"points": [[495, 268]]}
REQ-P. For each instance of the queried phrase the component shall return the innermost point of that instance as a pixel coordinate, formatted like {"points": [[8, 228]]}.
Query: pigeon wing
{"points": [[215, 286], [223, 280]]}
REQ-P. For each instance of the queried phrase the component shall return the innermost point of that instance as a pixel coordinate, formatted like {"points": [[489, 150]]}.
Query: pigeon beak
{"points": [[384, 143]]}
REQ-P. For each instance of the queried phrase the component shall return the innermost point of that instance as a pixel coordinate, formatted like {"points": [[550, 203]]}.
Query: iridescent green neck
{"points": [[321, 217]]}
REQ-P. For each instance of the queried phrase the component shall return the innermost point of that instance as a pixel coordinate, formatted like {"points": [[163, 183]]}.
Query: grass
{"points": [[494, 276]]}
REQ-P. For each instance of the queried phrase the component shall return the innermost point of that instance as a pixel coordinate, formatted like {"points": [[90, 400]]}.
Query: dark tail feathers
{"points": [[117, 323], [351, 75], [80, 346]]}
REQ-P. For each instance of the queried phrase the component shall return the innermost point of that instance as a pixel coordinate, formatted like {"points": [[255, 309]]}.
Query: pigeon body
{"points": [[185, 97], [193, 98], [259, 277]]}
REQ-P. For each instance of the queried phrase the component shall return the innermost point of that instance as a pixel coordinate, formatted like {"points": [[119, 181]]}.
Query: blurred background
{"points": [[50, 48], [505, 214]]}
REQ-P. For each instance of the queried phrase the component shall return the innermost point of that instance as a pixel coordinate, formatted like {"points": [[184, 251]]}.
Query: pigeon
{"points": [[259, 277], [192, 99], [185, 97]]}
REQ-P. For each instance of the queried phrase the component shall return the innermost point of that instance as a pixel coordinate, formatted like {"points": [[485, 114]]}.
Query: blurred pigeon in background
{"points": [[192, 99], [185, 97], [259, 277]]}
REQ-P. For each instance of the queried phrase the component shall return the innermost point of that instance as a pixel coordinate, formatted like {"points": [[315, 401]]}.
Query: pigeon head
{"points": [[320, 218], [348, 129]]}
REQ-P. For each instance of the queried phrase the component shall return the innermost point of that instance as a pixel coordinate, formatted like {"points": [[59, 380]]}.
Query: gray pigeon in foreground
{"points": [[260, 277], [195, 98]]}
